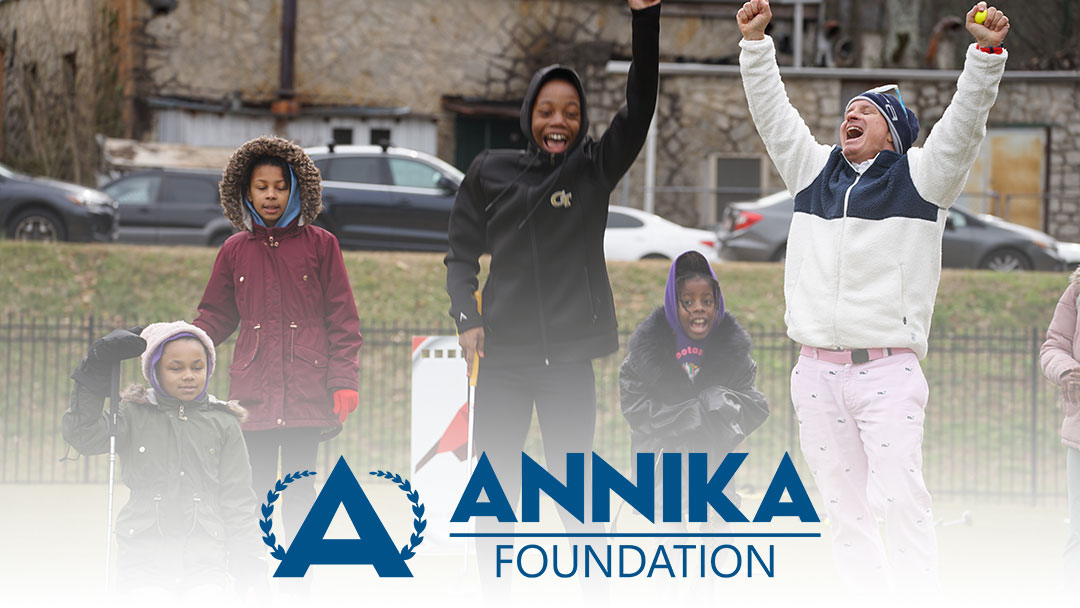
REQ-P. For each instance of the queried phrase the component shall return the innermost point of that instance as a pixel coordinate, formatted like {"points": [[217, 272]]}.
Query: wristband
{"points": [[993, 50]]}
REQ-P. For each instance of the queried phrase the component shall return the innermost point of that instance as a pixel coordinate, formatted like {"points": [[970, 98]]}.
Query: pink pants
{"points": [[861, 431]]}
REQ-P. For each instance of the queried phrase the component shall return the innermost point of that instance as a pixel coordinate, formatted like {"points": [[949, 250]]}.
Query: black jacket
{"points": [[542, 217], [666, 411]]}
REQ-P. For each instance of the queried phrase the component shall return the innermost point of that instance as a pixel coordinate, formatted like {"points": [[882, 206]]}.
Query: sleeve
{"points": [[85, 425], [238, 502], [740, 405], [940, 168], [1056, 354], [797, 155], [341, 318], [467, 233], [624, 137], [218, 315]]}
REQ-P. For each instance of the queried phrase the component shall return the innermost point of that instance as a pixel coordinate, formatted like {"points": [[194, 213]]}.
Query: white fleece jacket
{"points": [[864, 250]]}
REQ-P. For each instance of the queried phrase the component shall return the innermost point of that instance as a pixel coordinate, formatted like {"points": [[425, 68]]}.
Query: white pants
{"points": [[861, 431]]}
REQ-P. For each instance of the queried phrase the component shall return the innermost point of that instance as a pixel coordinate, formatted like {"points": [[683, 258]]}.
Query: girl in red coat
{"points": [[283, 282]]}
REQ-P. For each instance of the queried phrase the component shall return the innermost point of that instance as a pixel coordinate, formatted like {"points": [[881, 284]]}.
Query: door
{"points": [[356, 196], [421, 206], [137, 213], [1009, 176], [187, 205]]}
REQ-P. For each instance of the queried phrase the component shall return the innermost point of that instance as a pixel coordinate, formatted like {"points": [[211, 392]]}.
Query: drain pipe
{"points": [[286, 105]]}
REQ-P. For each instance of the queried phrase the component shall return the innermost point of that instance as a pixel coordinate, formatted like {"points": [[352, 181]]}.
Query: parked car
{"points": [[1070, 254], [386, 198], [633, 234], [170, 207], [757, 231], [42, 209]]}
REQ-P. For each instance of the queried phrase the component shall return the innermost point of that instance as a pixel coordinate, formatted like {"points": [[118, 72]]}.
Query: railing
{"points": [[991, 424]]}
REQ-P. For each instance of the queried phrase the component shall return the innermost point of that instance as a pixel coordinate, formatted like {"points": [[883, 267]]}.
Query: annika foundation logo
{"points": [[591, 554]]}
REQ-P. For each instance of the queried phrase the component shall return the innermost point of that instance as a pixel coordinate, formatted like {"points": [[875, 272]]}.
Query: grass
{"points": [[160, 283]]}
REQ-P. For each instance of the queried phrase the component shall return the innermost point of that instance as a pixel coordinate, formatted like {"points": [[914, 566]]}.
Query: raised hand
{"points": [[990, 32], [637, 5], [752, 19]]}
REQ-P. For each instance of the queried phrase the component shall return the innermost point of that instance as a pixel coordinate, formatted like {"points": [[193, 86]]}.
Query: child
{"points": [[1061, 364], [283, 281], [687, 384], [189, 519]]}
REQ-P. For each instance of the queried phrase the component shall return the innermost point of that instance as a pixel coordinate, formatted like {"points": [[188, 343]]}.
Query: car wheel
{"points": [[655, 256], [36, 225], [1005, 260]]}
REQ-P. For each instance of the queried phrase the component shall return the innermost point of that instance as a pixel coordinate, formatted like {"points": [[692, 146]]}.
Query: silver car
{"points": [[757, 231]]}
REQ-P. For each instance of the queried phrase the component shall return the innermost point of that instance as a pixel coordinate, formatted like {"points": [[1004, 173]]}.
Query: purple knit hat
{"points": [[157, 335]]}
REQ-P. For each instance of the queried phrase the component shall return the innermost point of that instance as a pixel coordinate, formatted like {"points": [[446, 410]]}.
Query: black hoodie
{"points": [[542, 217]]}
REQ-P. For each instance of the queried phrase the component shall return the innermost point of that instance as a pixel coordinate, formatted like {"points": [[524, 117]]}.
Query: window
{"points": [[138, 190], [734, 178], [380, 137], [622, 220], [342, 137], [412, 174], [357, 170], [188, 189]]}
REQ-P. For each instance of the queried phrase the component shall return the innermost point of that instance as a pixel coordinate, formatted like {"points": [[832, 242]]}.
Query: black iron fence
{"points": [[991, 425]]}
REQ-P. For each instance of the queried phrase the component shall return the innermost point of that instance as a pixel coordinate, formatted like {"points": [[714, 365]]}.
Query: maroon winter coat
{"points": [[288, 291]]}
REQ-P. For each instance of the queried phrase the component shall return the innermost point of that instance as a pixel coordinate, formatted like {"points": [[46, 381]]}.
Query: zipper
{"points": [[903, 298], [292, 342], [539, 293], [839, 261], [180, 415], [588, 292]]}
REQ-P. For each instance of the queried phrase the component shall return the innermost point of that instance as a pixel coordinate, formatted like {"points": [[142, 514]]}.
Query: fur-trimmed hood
{"points": [[652, 349], [141, 395], [307, 176]]}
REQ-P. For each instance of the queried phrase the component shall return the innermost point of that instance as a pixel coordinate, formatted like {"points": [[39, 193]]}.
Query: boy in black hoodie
{"points": [[547, 304]]}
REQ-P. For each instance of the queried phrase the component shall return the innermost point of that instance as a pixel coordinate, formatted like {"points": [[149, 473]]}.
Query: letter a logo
{"points": [[561, 198], [374, 547]]}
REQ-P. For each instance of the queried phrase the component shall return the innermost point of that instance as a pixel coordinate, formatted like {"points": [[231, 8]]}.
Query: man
{"points": [[862, 270]]}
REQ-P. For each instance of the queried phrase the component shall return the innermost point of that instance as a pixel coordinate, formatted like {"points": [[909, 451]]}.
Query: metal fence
{"points": [[991, 425]]}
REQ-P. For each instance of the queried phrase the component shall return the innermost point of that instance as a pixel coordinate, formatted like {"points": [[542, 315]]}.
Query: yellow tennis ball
{"points": [[980, 16]]}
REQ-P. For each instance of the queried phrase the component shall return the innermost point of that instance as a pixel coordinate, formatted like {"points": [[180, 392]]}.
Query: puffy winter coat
{"points": [[185, 463], [287, 289], [667, 411], [1061, 353]]}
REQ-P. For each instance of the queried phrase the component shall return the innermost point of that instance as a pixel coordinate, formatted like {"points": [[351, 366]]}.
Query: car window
{"points": [[412, 174], [355, 169], [137, 190], [188, 189], [622, 220]]}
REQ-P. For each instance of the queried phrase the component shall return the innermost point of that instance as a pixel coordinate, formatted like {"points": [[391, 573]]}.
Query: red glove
{"points": [[345, 402]]}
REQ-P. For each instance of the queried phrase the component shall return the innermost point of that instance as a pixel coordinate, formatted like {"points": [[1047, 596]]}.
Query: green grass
{"points": [[161, 283]]}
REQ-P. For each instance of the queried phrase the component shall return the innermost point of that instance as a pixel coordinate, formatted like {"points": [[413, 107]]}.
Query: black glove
{"points": [[96, 369]]}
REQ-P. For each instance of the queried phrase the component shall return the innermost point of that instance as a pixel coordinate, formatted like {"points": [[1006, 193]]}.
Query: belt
{"points": [[855, 356]]}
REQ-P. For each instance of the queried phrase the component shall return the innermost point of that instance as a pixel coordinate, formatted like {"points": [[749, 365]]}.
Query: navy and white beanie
{"points": [[903, 124]]}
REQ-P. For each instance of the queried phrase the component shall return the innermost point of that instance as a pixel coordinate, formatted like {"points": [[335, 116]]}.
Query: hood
{"points": [[141, 395], [539, 79], [689, 260], [305, 172]]}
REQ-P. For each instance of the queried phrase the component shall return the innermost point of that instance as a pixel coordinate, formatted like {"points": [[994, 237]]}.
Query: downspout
{"points": [[286, 106]]}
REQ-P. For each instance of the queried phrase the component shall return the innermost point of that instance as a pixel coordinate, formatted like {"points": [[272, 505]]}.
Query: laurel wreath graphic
{"points": [[419, 523], [266, 523]]}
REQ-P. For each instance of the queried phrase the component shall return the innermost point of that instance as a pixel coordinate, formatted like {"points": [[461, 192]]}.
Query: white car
{"points": [[1070, 253], [633, 234]]}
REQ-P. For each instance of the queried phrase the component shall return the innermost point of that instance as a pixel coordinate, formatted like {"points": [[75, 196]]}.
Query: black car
{"points": [[386, 198], [170, 207], [41, 209]]}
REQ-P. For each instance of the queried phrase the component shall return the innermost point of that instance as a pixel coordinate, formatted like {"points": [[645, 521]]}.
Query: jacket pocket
{"points": [[903, 297], [247, 348], [309, 355], [589, 295]]}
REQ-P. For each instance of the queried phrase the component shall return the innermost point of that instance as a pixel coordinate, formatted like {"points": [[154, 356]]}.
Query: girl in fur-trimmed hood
{"points": [[189, 523], [282, 282]]}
